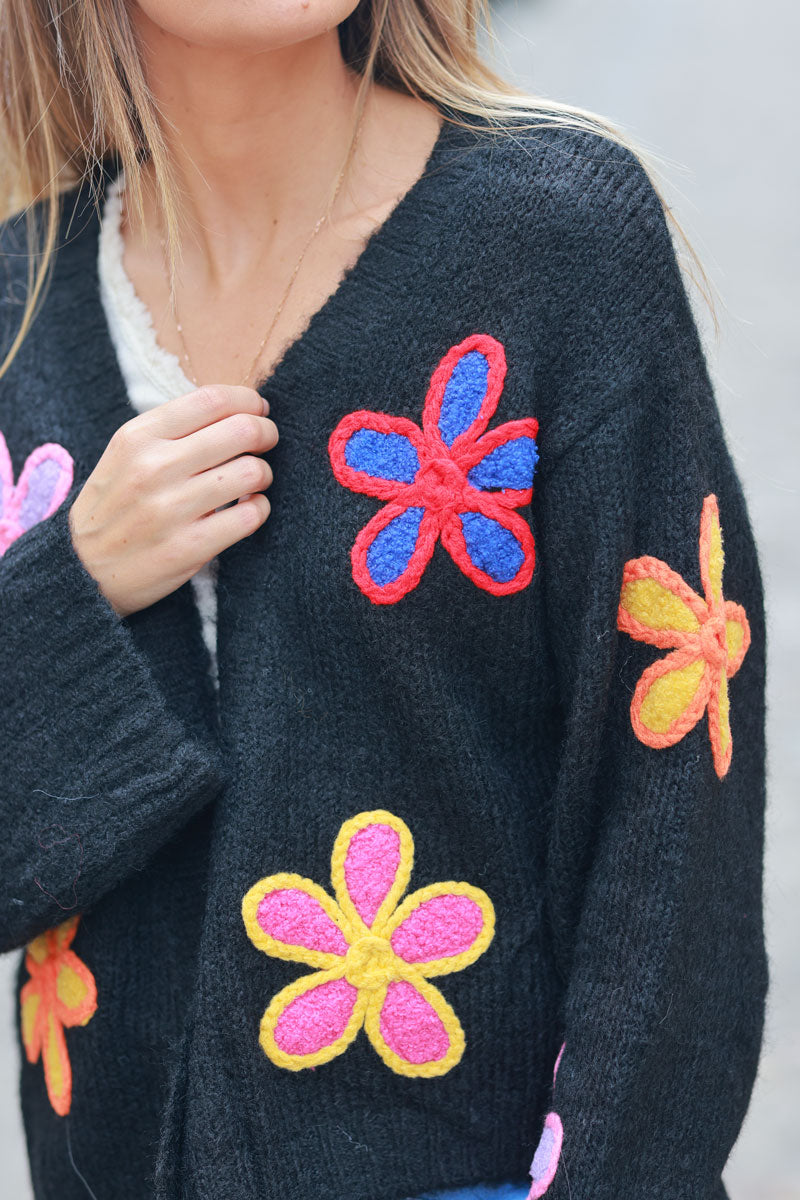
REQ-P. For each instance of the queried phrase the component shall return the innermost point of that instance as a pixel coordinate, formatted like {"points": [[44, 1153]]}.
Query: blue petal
{"points": [[382, 455], [391, 549], [511, 465], [491, 546], [463, 395]]}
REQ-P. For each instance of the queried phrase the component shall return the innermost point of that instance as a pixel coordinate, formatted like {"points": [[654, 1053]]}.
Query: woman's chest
{"points": [[396, 579]]}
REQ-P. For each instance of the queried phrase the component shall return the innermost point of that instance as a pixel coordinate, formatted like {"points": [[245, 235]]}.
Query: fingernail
{"points": [[265, 406]]}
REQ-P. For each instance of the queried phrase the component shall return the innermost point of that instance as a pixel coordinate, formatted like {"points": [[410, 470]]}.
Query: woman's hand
{"points": [[144, 521]]}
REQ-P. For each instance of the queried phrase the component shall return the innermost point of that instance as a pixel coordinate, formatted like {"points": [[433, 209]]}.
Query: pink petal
{"points": [[370, 868], [6, 476], [558, 1061], [410, 1026], [293, 917], [316, 1018], [438, 928], [545, 1160], [43, 484]]}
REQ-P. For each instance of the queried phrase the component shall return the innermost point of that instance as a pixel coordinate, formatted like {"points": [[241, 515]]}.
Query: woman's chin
{"points": [[250, 27]]}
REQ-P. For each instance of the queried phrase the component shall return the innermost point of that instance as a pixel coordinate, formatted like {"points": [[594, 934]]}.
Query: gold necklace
{"points": [[326, 214]]}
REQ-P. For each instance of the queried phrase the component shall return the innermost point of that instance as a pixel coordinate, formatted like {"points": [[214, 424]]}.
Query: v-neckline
{"points": [[389, 231], [393, 236]]}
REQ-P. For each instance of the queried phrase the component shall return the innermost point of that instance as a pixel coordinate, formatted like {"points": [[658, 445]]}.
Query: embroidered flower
{"points": [[61, 992], [374, 956], [43, 484], [548, 1152], [450, 480], [710, 638]]}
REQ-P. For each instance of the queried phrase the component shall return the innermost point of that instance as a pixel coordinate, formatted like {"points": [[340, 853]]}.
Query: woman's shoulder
{"points": [[567, 183]]}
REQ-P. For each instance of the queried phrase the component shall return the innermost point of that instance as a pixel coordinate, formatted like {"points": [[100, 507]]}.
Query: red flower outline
{"points": [[441, 487]]}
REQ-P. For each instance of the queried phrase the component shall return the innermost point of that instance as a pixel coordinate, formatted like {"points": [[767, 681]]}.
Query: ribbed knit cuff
{"points": [[98, 771]]}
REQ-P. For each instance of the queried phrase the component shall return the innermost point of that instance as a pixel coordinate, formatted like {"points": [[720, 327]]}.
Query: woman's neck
{"points": [[254, 138]]}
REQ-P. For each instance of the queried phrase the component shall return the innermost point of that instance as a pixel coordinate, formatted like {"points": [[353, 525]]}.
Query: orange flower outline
{"points": [[708, 636], [60, 993]]}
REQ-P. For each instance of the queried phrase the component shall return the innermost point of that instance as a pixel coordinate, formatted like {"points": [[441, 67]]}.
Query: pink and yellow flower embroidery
{"points": [[61, 992], [373, 955], [709, 638]]}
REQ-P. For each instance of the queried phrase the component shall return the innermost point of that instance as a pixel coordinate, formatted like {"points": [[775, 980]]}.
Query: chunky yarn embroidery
{"points": [[61, 992], [450, 481], [374, 955], [710, 637], [43, 484], [548, 1152]]}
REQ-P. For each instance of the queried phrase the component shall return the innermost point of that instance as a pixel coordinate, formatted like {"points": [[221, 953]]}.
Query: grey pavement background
{"points": [[712, 87]]}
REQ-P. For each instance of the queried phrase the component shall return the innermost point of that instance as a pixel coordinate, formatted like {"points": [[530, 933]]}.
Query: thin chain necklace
{"points": [[326, 214]]}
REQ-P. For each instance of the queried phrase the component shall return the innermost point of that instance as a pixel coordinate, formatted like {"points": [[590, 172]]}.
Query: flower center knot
{"points": [[714, 642], [442, 483], [369, 963]]}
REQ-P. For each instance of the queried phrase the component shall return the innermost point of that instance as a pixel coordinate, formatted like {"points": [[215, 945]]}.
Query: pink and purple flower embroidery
{"points": [[43, 484], [450, 481], [548, 1152]]}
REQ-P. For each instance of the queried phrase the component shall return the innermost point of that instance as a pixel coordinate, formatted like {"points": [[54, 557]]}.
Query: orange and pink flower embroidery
{"points": [[373, 955], [708, 637], [61, 992]]}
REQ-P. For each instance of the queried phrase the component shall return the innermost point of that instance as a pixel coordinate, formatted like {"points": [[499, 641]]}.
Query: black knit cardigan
{"points": [[484, 638]]}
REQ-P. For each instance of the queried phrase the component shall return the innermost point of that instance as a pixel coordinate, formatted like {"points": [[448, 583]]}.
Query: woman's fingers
{"points": [[219, 530], [234, 480], [241, 433], [144, 522], [186, 414]]}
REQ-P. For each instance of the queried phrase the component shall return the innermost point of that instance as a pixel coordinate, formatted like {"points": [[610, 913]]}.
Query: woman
{"points": [[241, 754]]}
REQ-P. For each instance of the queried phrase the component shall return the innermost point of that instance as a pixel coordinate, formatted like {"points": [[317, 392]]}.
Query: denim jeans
{"points": [[484, 1191]]}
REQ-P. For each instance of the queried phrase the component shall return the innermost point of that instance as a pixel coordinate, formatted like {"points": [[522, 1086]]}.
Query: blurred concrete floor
{"points": [[711, 85]]}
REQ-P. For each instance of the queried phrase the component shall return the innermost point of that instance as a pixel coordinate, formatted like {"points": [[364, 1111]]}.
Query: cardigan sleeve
{"points": [[102, 759], [656, 826]]}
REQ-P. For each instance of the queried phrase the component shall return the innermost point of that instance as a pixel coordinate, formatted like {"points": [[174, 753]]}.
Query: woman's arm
{"points": [[102, 755], [655, 856]]}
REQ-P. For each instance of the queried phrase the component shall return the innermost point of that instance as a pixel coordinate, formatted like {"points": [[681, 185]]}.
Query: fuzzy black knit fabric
{"points": [[626, 880]]}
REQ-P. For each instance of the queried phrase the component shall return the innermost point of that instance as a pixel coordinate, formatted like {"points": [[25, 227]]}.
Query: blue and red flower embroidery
{"points": [[450, 481]]}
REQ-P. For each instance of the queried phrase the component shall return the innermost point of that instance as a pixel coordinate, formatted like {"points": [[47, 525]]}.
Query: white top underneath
{"points": [[151, 373]]}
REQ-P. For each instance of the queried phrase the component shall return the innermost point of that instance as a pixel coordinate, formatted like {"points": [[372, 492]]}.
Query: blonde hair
{"points": [[74, 91]]}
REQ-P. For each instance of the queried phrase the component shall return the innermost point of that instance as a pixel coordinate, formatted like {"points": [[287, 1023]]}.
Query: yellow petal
{"points": [[65, 933], [670, 695], [734, 634], [655, 606], [70, 988], [30, 1007], [39, 948], [716, 557], [724, 715], [712, 558], [57, 1071]]}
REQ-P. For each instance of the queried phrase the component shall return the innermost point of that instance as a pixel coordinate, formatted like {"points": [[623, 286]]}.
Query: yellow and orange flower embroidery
{"points": [[61, 992], [709, 638], [373, 955]]}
